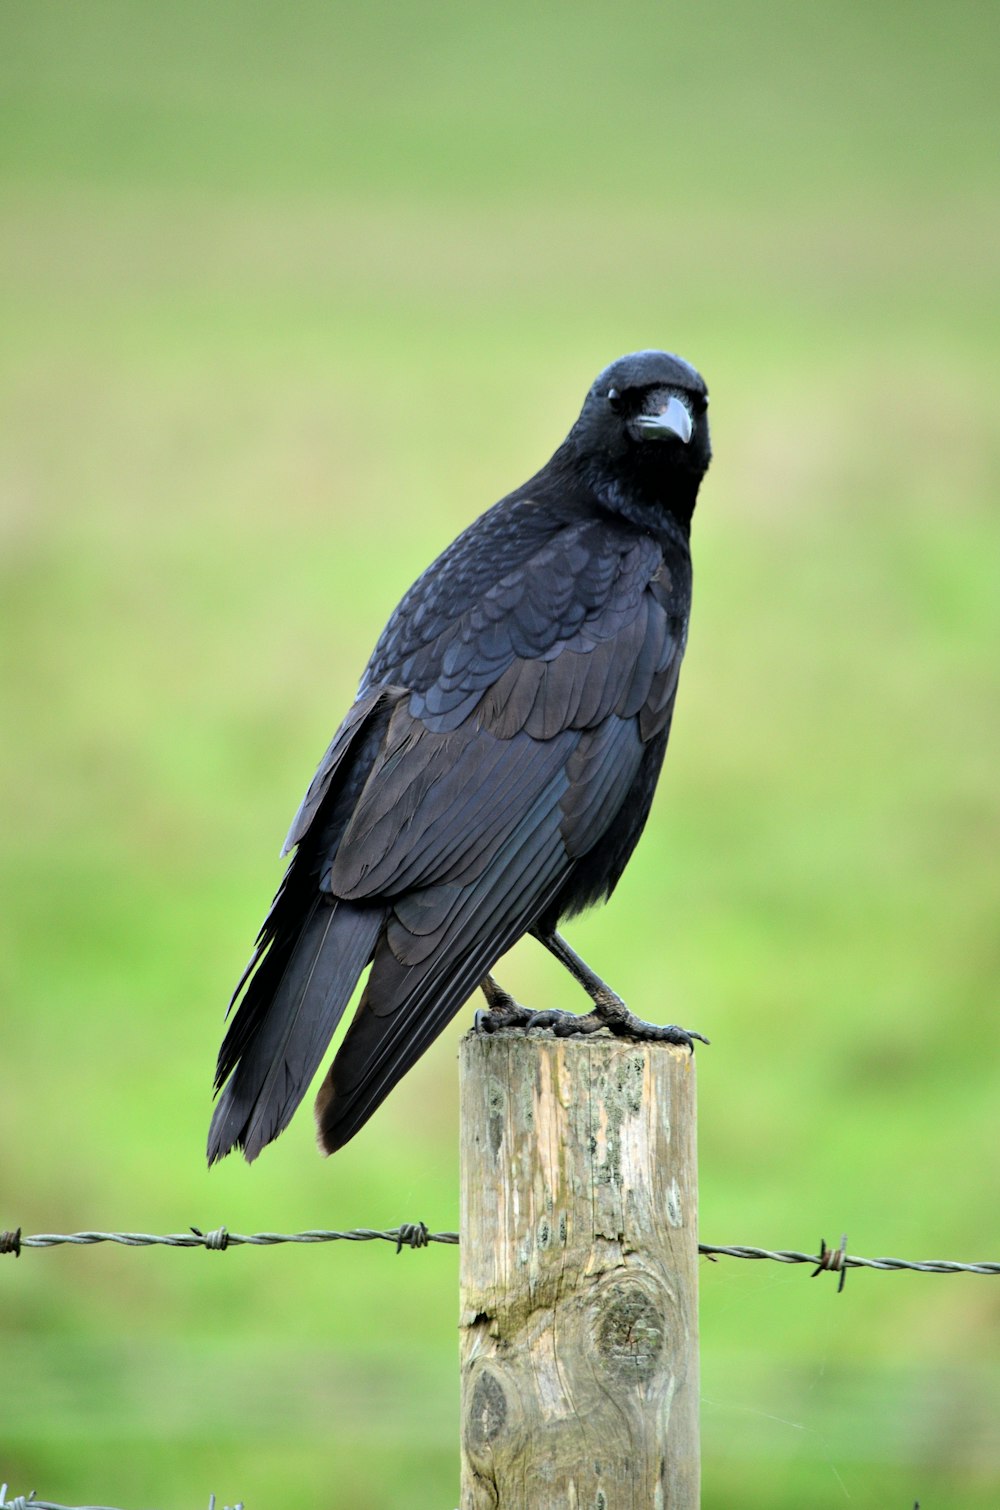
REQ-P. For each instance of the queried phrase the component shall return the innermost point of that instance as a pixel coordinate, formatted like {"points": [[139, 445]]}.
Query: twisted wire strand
{"points": [[407, 1235], [415, 1235], [851, 1260], [30, 1501]]}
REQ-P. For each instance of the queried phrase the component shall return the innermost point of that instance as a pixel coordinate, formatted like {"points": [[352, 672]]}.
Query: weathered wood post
{"points": [[579, 1254]]}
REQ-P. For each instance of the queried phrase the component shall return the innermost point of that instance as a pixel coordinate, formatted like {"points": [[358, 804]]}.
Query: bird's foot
{"points": [[495, 1019], [609, 1012], [617, 1018], [503, 1011], [565, 1024], [620, 1022]]}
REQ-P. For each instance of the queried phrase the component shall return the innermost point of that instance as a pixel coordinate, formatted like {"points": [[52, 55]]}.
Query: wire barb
{"points": [[413, 1234], [215, 1242], [10, 1242], [833, 1259]]}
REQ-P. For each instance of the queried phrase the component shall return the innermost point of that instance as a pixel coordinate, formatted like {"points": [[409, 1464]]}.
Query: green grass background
{"points": [[287, 295]]}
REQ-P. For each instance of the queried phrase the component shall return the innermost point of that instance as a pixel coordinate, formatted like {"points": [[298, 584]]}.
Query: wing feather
{"points": [[361, 714], [405, 1005]]}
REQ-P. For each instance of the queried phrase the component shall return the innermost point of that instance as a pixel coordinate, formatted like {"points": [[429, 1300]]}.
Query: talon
{"points": [[571, 1026], [496, 1019], [615, 1016], [546, 1019]]}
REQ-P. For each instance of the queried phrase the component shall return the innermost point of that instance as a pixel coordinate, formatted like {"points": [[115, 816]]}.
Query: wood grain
{"points": [[578, 1274]]}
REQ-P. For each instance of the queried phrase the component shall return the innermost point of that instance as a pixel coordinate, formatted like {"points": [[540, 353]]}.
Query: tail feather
{"points": [[380, 1047], [289, 1012]]}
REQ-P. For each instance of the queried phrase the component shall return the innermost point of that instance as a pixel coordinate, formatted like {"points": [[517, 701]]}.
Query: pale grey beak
{"points": [[674, 420]]}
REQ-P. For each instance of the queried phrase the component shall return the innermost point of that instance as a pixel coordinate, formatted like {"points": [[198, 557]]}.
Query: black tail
{"points": [[297, 987], [401, 1013]]}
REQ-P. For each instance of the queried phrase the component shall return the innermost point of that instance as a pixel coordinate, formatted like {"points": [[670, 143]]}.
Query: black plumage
{"points": [[494, 773]]}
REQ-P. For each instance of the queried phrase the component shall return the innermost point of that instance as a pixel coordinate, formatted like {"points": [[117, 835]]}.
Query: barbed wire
{"points": [[29, 1501], [416, 1235], [407, 1235], [838, 1260]]}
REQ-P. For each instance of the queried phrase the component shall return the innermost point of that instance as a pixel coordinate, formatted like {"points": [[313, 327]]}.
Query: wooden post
{"points": [[579, 1254]]}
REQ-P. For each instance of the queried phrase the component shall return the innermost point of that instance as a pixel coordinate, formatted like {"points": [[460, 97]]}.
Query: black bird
{"points": [[493, 775]]}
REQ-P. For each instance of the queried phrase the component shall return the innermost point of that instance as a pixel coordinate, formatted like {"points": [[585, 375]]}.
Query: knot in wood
{"points": [[487, 1411], [629, 1333]]}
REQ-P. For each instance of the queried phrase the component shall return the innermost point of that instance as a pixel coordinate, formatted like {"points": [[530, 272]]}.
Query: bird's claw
{"points": [[628, 1026], [494, 1019], [564, 1024]]}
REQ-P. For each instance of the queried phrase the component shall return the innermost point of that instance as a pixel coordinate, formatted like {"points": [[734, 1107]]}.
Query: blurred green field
{"points": [[288, 295]]}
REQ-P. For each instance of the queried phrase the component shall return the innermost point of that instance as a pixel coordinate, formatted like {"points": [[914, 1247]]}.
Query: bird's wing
{"points": [[501, 700], [578, 587], [419, 980], [508, 761], [367, 704]]}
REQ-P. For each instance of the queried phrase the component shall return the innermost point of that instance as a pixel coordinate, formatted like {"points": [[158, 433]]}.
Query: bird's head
{"points": [[644, 428]]}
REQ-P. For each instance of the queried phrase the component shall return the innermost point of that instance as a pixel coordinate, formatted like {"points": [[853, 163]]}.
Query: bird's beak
{"points": [[673, 419]]}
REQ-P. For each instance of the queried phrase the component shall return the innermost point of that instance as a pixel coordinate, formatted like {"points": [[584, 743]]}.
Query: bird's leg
{"points": [[502, 1010], [609, 1010]]}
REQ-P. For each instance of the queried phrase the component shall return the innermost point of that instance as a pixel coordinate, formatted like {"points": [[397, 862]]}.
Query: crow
{"points": [[491, 778]]}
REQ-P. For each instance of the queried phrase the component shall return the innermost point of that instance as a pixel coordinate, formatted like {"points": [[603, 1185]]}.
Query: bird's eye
{"points": [[614, 398]]}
